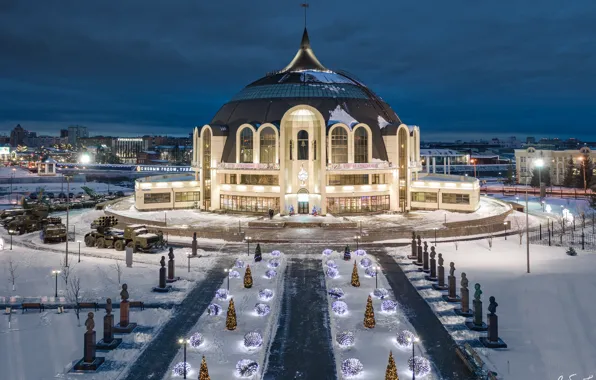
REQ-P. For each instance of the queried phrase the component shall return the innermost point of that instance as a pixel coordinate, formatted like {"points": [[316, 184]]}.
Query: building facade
{"points": [[128, 148], [76, 132], [555, 161], [306, 139]]}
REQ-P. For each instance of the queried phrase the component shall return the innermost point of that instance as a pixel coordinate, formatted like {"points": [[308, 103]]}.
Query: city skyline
{"points": [[510, 69]]}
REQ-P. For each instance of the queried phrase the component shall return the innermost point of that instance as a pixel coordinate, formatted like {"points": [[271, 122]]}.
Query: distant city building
{"points": [[17, 136], [46, 141], [75, 132], [555, 161], [97, 141], [128, 148], [148, 157], [64, 133]]}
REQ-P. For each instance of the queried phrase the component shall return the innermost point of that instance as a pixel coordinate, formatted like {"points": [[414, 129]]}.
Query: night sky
{"points": [[458, 69]]}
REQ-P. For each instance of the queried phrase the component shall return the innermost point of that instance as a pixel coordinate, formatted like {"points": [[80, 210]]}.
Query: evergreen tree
{"points": [[247, 278], [509, 179], [258, 256], [347, 254], [391, 372], [538, 174], [204, 371], [355, 278], [569, 168], [589, 168], [369, 314], [231, 317]]}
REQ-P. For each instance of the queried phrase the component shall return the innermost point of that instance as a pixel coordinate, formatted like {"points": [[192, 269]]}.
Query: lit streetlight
{"points": [[584, 170], [188, 255], [248, 239], [184, 342], [377, 276], [539, 163], [357, 238], [413, 340], [56, 273], [228, 276], [506, 225], [474, 161], [78, 241]]}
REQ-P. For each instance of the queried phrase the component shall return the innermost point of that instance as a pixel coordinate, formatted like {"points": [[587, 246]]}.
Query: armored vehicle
{"points": [[135, 236], [7, 216], [33, 220], [53, 233]]}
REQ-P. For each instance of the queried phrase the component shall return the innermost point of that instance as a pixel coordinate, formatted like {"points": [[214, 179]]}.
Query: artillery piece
{"points": [[135, 236]]}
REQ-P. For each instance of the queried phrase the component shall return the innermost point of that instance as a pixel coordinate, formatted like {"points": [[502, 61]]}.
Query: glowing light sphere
{"points": [[234, 274], [381, 293], [214, 309], [365, 263], [404, 339], [332, 273], [196, 340], [273, 263], [339, 307], [239, 264], [336, 293], [327, 252], [262, 309], [246, 368], [253, 340], [351, 367], [370, 272], [360, 252], [345, 339], [222, 294], [270, 273], [265, 294], [179, 368], [419, 365], [389, 306], [275, 253], [331, 264]]}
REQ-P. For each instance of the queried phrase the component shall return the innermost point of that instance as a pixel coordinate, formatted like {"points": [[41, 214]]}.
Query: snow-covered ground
{"points": [[547, 317], [17, 171], [575, 206], [371, 346], [222, 348]]}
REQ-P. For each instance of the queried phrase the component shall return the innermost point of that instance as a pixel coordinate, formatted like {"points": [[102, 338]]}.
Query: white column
{"points": [[445, 165], [434, 165], [427, 164]]}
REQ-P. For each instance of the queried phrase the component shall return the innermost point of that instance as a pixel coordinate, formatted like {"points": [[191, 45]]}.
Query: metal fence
{"points": [[578, 237]]}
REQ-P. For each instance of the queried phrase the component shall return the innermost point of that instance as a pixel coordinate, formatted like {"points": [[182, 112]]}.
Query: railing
{"points": [[361, 166], [246, 166]]}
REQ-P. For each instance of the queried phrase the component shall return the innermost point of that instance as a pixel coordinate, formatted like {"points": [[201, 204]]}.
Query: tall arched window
{"points": [[207, 154], [246, 145], [402, 159], [303, 145], [361, 145], [267, 145], [339, 146]]}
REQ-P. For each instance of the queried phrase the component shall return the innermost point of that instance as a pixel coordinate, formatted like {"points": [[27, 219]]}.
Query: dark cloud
{"points": [[505, 67]]}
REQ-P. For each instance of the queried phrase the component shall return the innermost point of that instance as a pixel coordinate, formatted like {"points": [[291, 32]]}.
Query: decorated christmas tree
{"points": [[247, 278], [258, 253], [355, 278], [204, 372], [347, 254], [369, 314], [391, 373], [231, 318]]}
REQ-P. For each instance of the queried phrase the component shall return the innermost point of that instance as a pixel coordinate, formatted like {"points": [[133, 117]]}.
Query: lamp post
{"points": [[435, 236], [189, 255], [78, 241], [377, 277], [228, 276], [10, 240], [539, 163], [248, 238], [413, 341], [68, 178], [11, 179], [583, 161], [527, 231], [506, 225], [183, 342], [56, 273], [357, 238]]}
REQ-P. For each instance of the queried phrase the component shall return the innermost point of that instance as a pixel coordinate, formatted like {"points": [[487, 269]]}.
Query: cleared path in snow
{"points": [[302, 347]]}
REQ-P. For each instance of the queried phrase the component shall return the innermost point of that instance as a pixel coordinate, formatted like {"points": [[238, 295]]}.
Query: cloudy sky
{"points": [[459, 69]]}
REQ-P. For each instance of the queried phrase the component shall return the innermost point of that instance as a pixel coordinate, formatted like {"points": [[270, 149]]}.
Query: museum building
{"points": [[306, 139]]}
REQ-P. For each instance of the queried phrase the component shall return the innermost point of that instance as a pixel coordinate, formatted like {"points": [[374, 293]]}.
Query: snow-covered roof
{"points": [[339, 115], [440, 153], [148, 235]]}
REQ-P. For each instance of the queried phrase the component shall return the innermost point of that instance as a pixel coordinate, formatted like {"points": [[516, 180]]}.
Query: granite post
{"points": [[493, 340], [452, 295], [89, 362], [441, 284], [108, 342], [477, 324], [433, 265]]}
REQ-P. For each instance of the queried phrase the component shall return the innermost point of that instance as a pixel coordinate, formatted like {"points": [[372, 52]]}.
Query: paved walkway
{"points": [[302, 347], [439, 345], [154, 362]]}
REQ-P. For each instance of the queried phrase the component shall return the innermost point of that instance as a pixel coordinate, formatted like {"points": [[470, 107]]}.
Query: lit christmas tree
{"points": [[231, 318], [391, 373], [247, 278], [369, 314], [258, 253], [204, 372], [355, 278], [347, 254]]}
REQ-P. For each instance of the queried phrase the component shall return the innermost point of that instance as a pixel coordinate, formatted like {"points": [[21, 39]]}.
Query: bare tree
{"points": [[490, 235], [74, 295], [118, 268], [456, 244], [12, 272], [519, 228], [66, 271]]}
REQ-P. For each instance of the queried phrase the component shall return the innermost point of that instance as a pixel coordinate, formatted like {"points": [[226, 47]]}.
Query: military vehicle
{"points": [[53, 233], [7, 216], [33, 220], [135, 236]]}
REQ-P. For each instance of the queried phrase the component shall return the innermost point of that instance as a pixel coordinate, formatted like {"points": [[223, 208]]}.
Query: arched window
{"points": [[207, 154], [361, 145], [267, 144], [246, 145], [339, 146], [303, 145]]}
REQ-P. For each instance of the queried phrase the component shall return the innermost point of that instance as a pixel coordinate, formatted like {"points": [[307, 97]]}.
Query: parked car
{"points": [[50, 195]]}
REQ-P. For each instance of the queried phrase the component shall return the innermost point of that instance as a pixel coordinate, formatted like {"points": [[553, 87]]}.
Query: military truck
{"points": [[7, 216], [53, 233], [33, 220], [135, 236]]}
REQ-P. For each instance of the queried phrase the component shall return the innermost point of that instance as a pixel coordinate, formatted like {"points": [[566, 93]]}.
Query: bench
{"points": [[87, 305], [473, 361], [140, 304], [32, 305]]}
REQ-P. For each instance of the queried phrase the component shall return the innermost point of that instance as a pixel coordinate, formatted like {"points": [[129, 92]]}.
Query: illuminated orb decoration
{"points": [[239, 264], [222, 294], [327, 252], [360, 252], [246, 368], [339, 307], [253, 340], [370, 272], [389, 306], [179, 369], [262, 309], [275, 253], [265, 294], [214, 309], [273, 263], [234, 274], [196, 340], [365, 263], [381, 293], [332, 273], [419, 365], [270, 273], [331, 264], [336, 293], [404, 339], [351, 367], [345, 339]]}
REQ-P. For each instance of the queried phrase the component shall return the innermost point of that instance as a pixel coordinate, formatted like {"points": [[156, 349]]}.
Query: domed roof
{"points": [[337, 95]]}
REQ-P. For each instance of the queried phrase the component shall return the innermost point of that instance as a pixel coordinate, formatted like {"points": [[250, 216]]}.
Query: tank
{"points": [[136, 236]]}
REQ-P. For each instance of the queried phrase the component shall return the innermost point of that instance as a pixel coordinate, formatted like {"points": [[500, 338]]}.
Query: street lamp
{"points": [[11, 179], [436, 235], [184, 342], [188, 255], [248, 239], [413, 340], [56, 273], [473, 161], [506, 225], [78, 241], [228, 276], [539, 163], [357, 238], [68, 178], [527, 230], [584, 169], [377, 276]]}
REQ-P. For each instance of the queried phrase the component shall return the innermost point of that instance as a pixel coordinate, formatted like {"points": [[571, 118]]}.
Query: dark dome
{"points": [[337, 95]]}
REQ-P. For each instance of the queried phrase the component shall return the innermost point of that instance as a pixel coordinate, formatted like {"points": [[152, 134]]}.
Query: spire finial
{"points": [[305, 6]]}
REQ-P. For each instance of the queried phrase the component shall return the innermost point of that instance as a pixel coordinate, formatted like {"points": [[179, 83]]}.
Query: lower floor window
{"points": [[157, 198], [422, 196], [249, 204], [188, 196], [456, 198], [357, 204]]}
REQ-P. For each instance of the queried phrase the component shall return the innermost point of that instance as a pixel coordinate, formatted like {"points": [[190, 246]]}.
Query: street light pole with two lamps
{"points": [[56, 273], [413, 340], [184, 342]]}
